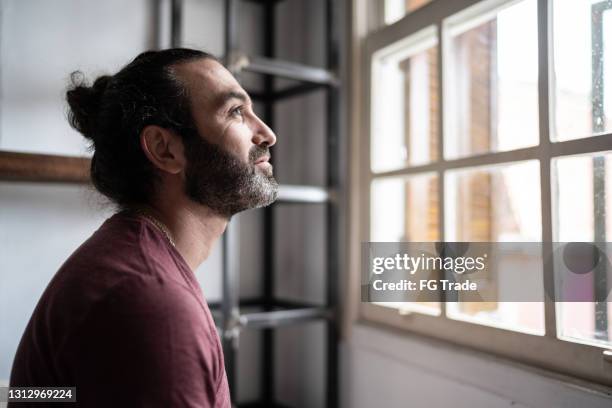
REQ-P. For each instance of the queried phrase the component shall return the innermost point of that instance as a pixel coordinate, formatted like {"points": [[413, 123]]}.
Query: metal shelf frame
{"points": [[281, 313], [282, 69], [276, 312], [28, 167]]}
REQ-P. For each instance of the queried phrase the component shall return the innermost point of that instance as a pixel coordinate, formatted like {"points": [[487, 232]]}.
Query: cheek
{"points": [[237, 139]]}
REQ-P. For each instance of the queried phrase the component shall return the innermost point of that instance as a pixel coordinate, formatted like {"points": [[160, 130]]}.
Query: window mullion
{"points": [[441, 172], [545, 65]]}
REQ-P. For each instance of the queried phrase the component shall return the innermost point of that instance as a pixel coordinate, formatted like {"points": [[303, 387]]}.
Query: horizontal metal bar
{"points": [[261, 302], [247, 302], [290, 70], [302, 194], [283, 317], [294, 304]]}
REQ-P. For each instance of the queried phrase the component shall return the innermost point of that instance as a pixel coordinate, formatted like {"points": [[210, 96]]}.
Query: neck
{"points": [[193, 227]]}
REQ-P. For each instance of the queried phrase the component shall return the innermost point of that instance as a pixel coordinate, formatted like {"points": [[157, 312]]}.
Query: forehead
{"points": [[208, 82]]}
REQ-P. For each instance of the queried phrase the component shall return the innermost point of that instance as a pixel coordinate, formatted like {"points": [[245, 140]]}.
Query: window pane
{"points": [[498, 204], [581, 212], [405, 104], [406, 209], [492, 77], [582, 88], [494, 203], [396, 9]]}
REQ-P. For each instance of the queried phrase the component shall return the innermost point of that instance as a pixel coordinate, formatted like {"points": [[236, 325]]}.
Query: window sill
{"points": [[517, 381]]}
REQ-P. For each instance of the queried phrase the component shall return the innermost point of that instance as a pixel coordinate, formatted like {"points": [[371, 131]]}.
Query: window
{"points": [[405, 95], [491, 97], [396, 9], [585, 220], [493, 123], [582, 93], [498, 204], [405, 133]]}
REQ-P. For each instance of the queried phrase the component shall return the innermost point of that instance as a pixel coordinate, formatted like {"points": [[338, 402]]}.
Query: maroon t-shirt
{"points": [[124, 321]]}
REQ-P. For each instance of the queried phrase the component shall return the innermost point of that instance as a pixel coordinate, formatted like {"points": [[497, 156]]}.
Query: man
{"points": [[179, 149]]}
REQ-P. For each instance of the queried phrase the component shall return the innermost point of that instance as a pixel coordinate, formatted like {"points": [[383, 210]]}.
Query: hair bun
{"points": [[84, 103]]}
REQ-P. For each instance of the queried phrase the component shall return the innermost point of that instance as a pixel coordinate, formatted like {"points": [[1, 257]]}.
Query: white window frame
{"points": [[579, 363]]}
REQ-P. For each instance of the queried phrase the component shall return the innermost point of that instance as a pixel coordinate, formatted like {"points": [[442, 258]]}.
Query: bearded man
{"points": [[177, 147]]}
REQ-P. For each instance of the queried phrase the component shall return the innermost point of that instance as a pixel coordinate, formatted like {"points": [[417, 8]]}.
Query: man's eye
{"points": [[236, 111]]}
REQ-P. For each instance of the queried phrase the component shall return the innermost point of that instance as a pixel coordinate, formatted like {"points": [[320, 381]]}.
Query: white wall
{"points": [[40, 225], [384, 368], [41, 43]]}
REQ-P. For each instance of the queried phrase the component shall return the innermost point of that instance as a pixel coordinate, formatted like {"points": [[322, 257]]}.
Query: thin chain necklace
{"points": [[160, 225]]}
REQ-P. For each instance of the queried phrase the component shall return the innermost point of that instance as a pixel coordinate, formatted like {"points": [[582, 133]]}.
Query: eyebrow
{"points": [[228, 96]]}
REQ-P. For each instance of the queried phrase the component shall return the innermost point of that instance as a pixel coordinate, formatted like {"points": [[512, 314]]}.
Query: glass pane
{"points": [[492, 93], [406, 209], [498, 204], [396, 9], [405, 106], [582, 87], [581, 205], [42, 43]]}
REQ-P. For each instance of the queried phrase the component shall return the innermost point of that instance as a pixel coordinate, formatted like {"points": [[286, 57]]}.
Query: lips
{"points": [[263, 159]]}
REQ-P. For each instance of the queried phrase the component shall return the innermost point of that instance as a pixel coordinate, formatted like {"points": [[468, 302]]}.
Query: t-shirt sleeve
{"points": [[147, 344]]}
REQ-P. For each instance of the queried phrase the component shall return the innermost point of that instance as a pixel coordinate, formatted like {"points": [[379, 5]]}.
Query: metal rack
{"points": [[277, 313], [15, 166]]}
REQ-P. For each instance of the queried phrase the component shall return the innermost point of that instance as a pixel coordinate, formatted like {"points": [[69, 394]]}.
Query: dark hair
{"points": [[115, 109]]}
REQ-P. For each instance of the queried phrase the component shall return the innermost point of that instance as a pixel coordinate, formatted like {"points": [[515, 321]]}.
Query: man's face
{"points": [[227, 158]]}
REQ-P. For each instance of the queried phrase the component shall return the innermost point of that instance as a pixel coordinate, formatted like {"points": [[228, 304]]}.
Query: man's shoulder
{"points": [[152, 296], [122, 253], [123, 244], [144, 307]]}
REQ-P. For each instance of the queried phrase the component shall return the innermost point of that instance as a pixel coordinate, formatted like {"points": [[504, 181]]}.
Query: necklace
{"points": [[160, 225]]}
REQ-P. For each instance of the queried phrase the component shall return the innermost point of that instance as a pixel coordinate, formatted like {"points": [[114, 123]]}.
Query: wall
{"points": [[40, 225], [382, 367], [41, 42]]}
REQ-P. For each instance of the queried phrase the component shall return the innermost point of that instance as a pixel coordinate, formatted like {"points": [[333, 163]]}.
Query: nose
{"points": [[262, 133]]}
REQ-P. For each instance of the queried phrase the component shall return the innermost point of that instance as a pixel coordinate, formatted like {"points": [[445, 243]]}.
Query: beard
{"points": [[221, 181]]}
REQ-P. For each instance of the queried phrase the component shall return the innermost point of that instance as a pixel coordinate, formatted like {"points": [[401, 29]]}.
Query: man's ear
{"points": [[163, 148]]}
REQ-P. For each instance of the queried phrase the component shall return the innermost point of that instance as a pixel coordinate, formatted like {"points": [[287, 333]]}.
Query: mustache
{"points": [[257, 152]]}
